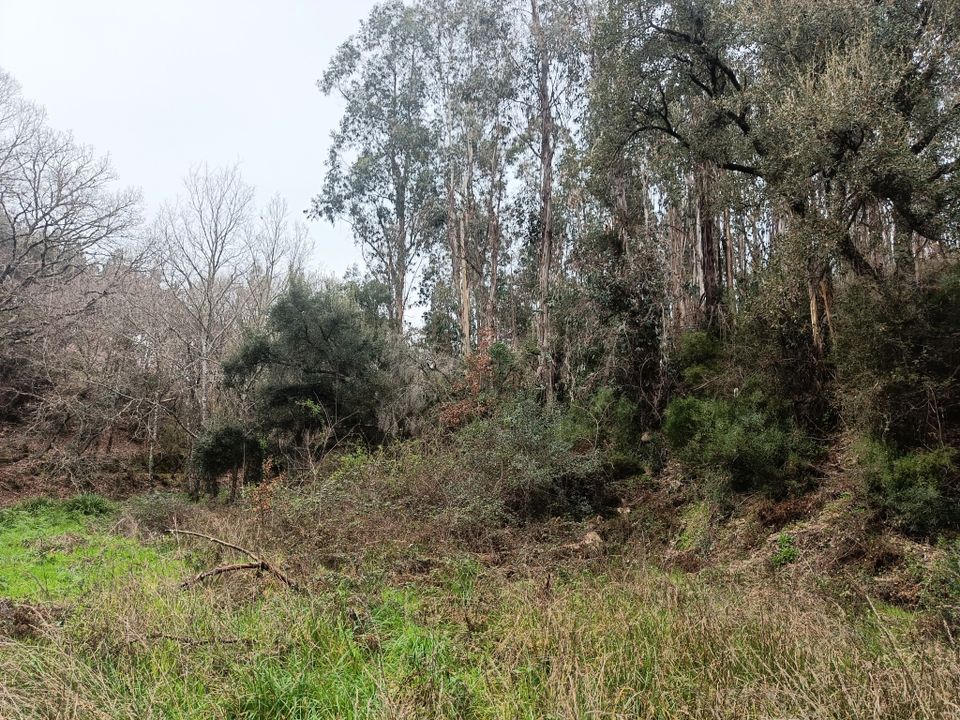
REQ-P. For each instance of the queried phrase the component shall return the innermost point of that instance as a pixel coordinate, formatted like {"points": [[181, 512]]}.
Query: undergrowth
{"points": [[451, 637]]}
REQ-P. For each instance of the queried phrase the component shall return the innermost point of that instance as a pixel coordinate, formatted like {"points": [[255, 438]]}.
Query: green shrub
{"points": [[753, 446], [696, 358], [522, 464], [506, 369], [896, 352], [323, 362], [916, 490], [607, 421], [771, 349], [941, 587], [90, 505], [226, 447], [786, 551]]}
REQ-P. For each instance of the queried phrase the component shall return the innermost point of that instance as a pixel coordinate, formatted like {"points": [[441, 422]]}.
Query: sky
{"points": [[163, 85]]}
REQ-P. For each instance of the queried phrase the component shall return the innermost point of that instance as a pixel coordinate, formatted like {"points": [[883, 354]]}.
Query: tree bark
{"points": [[545, 370], [707, 243]]}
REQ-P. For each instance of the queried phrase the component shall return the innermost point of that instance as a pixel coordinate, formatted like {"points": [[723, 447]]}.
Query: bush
{"points": [[916, 490], [771, 348], [157, 511], [754, 447], [226, 447], [90, 505], [607, 421], [896, 352], [322, 365], [523, 465], [697, 358], [941, 588]]}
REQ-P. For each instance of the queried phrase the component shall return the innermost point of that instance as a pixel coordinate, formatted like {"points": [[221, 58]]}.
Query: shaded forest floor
{"points": [[668, 605]]}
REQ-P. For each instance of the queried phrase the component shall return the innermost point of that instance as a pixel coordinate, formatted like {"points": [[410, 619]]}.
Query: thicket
{"points": [[226, 447], [897, 356], [918, 490], [728, 425], [897, 353]]}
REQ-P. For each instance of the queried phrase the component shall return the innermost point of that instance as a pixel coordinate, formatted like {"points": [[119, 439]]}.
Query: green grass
{"points": [[465, 641], [54, 550]]}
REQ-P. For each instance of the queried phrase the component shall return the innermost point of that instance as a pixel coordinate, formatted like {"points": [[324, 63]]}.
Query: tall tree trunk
{"points": [[707, 243], [728, 253], [463, 244], [545, 370], [493, 248], [203, 400]]}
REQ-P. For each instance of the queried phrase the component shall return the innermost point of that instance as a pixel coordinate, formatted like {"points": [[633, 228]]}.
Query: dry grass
{"points": [[408, 617], [470, 642]]}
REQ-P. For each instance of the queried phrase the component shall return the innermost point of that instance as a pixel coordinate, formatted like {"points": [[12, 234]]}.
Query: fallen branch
{"points": [[253, 565], [194, 641], [256, 562]]}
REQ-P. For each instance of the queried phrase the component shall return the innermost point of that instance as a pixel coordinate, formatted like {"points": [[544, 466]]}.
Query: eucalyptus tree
{"points": [[835, 111], [553, 73], [382, 169], [473, 83]]}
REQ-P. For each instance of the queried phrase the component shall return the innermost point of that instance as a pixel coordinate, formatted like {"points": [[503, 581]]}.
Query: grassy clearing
{"points": [[605, 639], [55, 550]]}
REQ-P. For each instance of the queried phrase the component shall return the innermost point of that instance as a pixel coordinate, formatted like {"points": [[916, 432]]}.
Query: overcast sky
{"points": [[161, 85]]}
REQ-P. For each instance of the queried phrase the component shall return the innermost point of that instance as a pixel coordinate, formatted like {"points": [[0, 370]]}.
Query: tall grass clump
{"points": [[630, 643]]}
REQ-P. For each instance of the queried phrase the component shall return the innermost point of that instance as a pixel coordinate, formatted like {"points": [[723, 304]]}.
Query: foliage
{"points": [[524, 465], [89, 505], [609, 322], [941, 586], [697, 523], [381, 168], [771, 348], [745, 438], [157, 511], [919, 490], [226, 447], [697, 358], [608, 422], [786, 551], [820, 99], [897, 350], [320, 365]]}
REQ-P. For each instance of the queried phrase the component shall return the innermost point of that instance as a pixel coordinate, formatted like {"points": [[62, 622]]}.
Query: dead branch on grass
{"points": [[256, 562]]}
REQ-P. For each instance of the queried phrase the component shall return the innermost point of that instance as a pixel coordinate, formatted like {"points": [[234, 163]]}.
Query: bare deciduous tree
{"points": [[58, 214], [278, 249], [204, 257]]}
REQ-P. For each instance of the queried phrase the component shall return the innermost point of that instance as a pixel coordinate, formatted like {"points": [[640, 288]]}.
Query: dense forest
{"points": [[678, 275]]}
